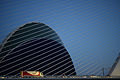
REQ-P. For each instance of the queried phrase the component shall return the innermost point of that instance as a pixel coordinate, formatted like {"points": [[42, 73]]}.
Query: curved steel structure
{"points": [[35, 46]]}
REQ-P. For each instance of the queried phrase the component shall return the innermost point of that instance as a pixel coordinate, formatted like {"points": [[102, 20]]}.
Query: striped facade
{"points": [[34, 47]]}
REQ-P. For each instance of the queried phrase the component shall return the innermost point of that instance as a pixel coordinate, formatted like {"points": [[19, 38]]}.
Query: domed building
{"points": [[34, 47]]}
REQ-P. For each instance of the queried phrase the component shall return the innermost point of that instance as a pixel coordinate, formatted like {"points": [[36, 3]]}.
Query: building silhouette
{"points": [[34, 47]]}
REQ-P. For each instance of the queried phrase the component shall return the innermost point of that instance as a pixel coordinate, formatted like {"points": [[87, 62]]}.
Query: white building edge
{"points": [[115, 70]]}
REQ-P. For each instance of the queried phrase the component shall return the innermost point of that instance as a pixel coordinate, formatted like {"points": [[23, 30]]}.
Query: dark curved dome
{"points": [[36, 48]]}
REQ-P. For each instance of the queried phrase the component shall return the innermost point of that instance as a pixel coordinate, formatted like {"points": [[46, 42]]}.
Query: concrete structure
{"points": [[115, 70]]}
